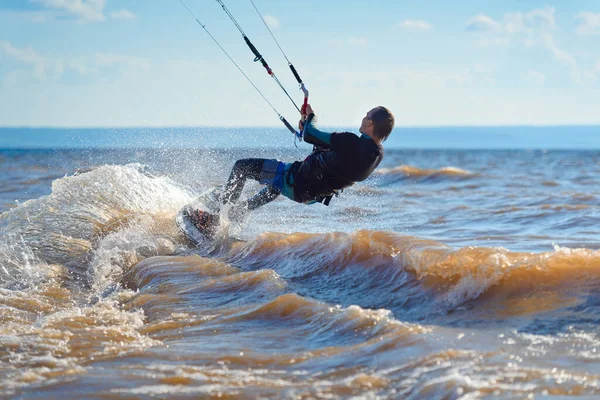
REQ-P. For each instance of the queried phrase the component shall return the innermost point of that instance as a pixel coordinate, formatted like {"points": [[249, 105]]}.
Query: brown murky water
{"points": [[449, 274]]}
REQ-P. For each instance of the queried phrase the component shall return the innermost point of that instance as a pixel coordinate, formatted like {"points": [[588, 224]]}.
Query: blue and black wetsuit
{"points": [[338, 161]]}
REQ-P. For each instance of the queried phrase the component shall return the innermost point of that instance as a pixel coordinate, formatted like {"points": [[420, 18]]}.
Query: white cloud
{"points": [[271, 21], [559, 55], [44, 68], [28, 55], [534, 28], [483, 23], [513, 23], [542, 19], [416, 25], [535, 77], [123, 14], [80, 10], [587, 23], [83, 10]]}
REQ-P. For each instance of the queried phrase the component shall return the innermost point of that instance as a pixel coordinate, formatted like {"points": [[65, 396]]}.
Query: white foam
{"points": [[61, 228]]}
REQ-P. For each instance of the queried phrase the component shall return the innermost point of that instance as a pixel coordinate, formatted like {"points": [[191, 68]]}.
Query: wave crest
{"points": [[415, 173], [380, 269], [66, 227]]}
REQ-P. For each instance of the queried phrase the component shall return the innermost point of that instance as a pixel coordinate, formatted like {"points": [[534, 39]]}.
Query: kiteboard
{"points": [[199, 220], [202, 219], [197, 233]]}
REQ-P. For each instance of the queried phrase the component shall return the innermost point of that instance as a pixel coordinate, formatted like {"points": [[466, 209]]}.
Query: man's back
{"points": [[339, 160], [352, 156]]}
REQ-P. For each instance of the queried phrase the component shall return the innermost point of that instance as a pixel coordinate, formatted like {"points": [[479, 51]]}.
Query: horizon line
{"points": [[278, 127]]}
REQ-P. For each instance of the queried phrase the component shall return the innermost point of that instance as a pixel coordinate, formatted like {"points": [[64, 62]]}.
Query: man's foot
{"points": [[205, 222]]}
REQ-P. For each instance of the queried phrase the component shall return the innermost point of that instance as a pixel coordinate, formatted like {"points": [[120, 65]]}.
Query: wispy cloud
{"points": [[44, 68], [515, 22], [560, 55], [82, 10], [122, 14], [483, 23], [587, 23], [541, 18], [41, 66], [532, 29], [271, 21], [79, 10], [414, 24]]}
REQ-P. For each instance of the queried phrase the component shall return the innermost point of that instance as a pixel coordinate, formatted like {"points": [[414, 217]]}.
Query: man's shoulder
{"points": [[344, 137], [344, 133]]}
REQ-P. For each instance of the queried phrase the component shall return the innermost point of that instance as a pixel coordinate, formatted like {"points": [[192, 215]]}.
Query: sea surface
{"points": [[449, 274]]}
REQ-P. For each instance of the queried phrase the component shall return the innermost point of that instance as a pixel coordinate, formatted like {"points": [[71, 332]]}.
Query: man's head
{"points": [[378, 124]]}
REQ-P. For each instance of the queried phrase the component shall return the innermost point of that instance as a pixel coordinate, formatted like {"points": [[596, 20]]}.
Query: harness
{"points": [[315, 180]]}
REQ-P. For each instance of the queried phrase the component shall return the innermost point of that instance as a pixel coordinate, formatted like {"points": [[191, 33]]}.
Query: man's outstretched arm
{"points": [[313, 135]]}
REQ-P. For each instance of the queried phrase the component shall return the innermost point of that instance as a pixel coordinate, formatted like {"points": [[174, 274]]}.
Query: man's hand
{"points": [[307, 112]]}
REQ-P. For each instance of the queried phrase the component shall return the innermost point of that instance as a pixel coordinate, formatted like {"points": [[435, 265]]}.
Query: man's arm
{"points": [[313, 135]]}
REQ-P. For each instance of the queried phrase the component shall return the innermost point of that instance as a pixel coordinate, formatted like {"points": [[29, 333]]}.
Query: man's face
{"points": [[367, 122]]}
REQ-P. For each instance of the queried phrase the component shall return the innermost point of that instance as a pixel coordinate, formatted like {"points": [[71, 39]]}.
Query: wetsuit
{"points": [[338, 161]]}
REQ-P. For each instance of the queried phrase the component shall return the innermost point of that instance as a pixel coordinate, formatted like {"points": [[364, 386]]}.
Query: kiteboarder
{"points": [[338, 160]]}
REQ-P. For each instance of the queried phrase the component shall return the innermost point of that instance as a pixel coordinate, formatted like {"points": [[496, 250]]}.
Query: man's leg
{"points": [[266, 195], [240, 209], [267, 172], [253, 168], [242, 170]]}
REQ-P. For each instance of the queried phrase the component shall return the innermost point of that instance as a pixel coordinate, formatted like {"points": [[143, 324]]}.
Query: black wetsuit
{"points": [[338, 161]]}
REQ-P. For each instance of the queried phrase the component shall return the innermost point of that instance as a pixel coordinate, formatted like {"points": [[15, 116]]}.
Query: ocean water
{"points": [[516, 137], [449, 274]]}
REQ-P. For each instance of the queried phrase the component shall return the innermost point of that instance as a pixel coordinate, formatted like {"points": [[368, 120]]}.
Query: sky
{"points": [[135, 63]]}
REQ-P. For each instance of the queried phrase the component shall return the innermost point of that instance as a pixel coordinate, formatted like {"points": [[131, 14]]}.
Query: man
{"points": [[338, 161]]}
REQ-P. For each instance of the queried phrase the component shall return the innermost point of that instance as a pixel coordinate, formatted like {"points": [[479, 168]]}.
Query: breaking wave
{"points": [[90, 225], [378, 269], [409, 172]]}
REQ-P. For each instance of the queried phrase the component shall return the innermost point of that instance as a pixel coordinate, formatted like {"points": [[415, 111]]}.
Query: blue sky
{"points": [[89, 63]]}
